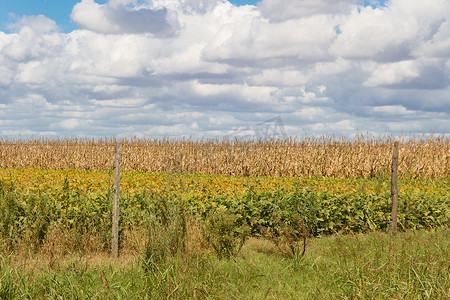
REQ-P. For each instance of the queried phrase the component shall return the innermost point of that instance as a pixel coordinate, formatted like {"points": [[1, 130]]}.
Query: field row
{"points": [[308, 157]]}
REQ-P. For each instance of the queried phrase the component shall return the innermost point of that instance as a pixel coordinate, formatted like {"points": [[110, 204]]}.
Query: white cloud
{"points": [[311, 114], [89, 14], [300, 95], [344, 126], [245, 93], [279, 77], [390, 33], [38, 24], [6, 76], [31, 72], [33, 100], [338, 66], [69, 124], [35, 37], [281, 10], [206, 67], [119, 17], [256, 39], [393, 73], [392, 110], [439, 44]]}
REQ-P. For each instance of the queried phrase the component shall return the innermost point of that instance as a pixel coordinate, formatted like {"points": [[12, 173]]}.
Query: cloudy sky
{"points": [[209, 68]]}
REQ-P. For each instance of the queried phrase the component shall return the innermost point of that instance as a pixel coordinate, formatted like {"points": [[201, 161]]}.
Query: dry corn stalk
{"points": [[330, 157]]}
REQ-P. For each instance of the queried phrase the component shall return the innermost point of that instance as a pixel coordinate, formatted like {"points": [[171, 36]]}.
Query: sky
{"points": [[218, 68]]}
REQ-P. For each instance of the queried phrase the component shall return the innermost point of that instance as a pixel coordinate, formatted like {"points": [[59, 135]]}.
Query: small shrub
{"points": [[222, 231], [289, 236], [11, 209], [39, 224], [167, 233]]}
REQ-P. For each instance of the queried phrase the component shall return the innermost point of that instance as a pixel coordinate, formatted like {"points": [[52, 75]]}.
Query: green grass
{"points": [[410, 265]]}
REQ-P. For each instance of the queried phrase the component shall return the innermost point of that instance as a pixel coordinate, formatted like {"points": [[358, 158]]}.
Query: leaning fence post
{"points": [[116, 194], [394, 189]]}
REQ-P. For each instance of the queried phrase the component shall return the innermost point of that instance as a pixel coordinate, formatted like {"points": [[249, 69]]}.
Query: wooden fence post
{"points": [[394, 189], [116, 194]]}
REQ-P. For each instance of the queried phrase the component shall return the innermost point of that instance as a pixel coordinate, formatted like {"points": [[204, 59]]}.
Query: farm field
{"points": [[352, 204], [420, 157], [247, 232]]}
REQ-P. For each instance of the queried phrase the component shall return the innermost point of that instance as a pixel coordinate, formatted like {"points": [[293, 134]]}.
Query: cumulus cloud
{"points": [[278, 43], [39, 24], [34, 37], [206, 67], [392, 33], [118, 17], [393, 73], [292, 9], [392, 110]]}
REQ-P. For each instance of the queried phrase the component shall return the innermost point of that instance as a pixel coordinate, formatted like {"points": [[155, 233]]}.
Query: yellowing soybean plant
{"points": [[204, 184]]}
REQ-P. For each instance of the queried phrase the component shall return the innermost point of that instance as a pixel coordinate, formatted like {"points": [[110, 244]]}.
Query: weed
{"points": [[167, 233], [289, 236], [223, 233]]}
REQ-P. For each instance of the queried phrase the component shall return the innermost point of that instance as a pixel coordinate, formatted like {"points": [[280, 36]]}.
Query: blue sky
{"points": [[204, 68], [57, 10]]}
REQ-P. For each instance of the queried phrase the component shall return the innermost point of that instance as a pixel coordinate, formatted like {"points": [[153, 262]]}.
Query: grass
{"points": [[410, 265]]}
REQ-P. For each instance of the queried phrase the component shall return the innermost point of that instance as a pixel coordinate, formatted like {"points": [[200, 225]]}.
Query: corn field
{"points": [[420, 157]]}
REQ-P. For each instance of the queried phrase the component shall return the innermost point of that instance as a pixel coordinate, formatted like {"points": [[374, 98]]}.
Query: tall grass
{"points": [[330, 157], [411, 265]]}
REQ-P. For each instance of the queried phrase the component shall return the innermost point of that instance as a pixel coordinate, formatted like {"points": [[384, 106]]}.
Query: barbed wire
{"points": [[204, 143], [234, 210], [56, 216], [284, 190], [249, 185], [192, 211], [342, 226], [121, 236], [234, 140], [294, 184]]}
